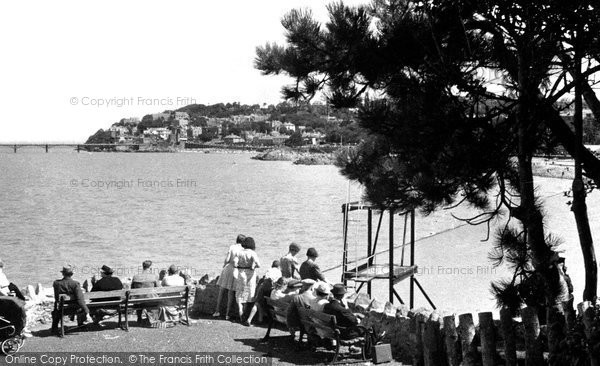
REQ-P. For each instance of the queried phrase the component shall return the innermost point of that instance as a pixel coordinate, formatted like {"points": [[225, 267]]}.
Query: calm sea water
{"points": [[90, 209]]}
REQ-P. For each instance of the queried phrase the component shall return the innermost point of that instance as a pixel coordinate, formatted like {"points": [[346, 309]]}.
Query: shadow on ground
{"points": [[74, 329], [283, 349]]}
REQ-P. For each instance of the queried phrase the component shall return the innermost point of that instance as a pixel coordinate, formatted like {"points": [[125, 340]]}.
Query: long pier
{"points": [[78, 147]]}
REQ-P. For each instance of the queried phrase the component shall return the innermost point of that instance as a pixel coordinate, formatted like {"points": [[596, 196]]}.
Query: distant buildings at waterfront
{"points": [[174, 127]]}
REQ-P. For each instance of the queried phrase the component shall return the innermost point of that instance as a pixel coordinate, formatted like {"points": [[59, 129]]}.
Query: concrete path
{"points": [[204, 335]]}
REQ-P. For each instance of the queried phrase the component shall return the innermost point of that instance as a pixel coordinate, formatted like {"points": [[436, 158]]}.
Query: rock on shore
{"points": [[297, 157], [315, 159], [283, 154]]}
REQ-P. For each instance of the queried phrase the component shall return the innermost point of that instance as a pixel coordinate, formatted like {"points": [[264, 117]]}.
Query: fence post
{"points": [[488, 338], [508, 333], [432, 341], [533, 349], [586, 310], [419, 321], [556, 331], [466, 332], [451, 341]]}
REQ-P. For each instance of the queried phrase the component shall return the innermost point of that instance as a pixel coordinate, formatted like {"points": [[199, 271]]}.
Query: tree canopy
{"points": [[457, 97]]}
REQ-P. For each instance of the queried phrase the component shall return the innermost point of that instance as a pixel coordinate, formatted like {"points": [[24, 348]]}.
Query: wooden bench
{"points": [[94, 300], [124, 300], [156, 297], [278, 313], [325, 326]]}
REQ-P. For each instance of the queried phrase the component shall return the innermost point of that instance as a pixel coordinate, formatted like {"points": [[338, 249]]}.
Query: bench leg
{"points": [[367, 346], [62, 322], [337, 351], [187, 299], [126, 315]]}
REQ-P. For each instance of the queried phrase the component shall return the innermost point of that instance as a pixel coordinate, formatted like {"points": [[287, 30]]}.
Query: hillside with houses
{"points": [[234, 124]]}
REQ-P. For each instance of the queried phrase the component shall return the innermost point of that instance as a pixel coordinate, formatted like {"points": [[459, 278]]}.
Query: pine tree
{"points": [[438, 134]]}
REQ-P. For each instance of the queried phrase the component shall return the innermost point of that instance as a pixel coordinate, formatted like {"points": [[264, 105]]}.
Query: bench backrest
{"points": [[96, 297], [323, 325], [278, 308], [150, 296]]}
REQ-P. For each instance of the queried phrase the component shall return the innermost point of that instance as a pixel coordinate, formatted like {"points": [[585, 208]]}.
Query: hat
{"points": [[322, 289], [312, 252], [294, 247], [308, 282], [68, 269], [294, 284], [107, 270], [338, 289]]}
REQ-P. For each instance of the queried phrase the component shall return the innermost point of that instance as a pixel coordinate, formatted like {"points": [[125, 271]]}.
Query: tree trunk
{"points": [[579, 206], [528, 211]]}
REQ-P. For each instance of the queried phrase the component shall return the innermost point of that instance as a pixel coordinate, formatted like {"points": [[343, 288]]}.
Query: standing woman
{"points": [[245, 284], [228, 275]]}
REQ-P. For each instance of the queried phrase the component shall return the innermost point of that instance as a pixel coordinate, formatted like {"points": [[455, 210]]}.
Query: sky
{"points": [[70, 68]]}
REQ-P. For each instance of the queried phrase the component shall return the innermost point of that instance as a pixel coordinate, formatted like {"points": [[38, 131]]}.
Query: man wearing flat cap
{"points": [[310, 269], [68, 286], [289, 264], [343, 316]]}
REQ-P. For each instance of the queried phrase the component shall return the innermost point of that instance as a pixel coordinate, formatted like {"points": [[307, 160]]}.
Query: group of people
{"points": [[302, 285], [108, 282]]}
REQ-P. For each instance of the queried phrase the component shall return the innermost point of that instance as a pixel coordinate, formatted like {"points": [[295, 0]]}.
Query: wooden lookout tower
{"points": [[363, 270]]}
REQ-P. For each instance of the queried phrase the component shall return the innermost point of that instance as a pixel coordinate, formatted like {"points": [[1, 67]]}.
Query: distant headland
{"points": [[231, 125]]}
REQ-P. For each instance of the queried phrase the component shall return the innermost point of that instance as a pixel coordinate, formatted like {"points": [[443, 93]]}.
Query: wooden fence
{"points": [[441, 340]]}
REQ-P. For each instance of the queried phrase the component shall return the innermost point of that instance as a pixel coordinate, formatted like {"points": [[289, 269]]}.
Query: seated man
{"points": [[69, 287], [322, 297], [144, 279], [106, 283], [343, 316], [301, 300]]}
